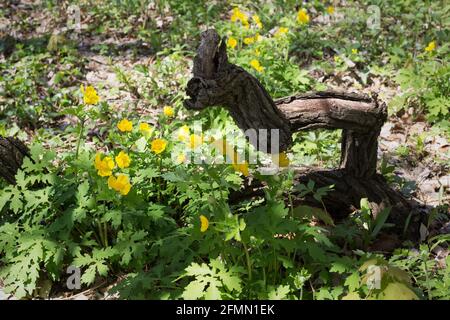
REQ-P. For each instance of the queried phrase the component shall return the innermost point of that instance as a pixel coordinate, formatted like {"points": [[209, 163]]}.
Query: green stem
{"points": [[249, 266], [79, 138]]}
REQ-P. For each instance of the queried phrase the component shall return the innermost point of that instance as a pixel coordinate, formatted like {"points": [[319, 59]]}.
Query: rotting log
{"points": [[12, 152], [216, 82]]}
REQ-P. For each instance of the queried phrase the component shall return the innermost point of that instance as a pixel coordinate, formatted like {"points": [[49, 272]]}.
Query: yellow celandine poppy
{"points": [[355, 51], [281, 159], [431, 46], [168, 111], [120, 184], [195, 141], [89, 95], [145, 128], [238, 15], [158, 145], [281, 31], [249, 40], [256, 65], [204, 223], [123, 160], [302, 16], [183, 133], [257, 21], [330, 9], [104, 166], [181, 158], [125, 125], [242, 168], [232, 42]]}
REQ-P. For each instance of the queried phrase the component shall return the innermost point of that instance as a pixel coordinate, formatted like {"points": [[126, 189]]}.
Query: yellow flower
{"points": [[302, 16], [330, 9], [120, 184], [242, 168], [281, 31], [249, 40], [281, 159], [125, 125], [431, 46], [257, 21], [89, 95], [145, 128], [238, 15], [204, 223], [168, 111], [123, 160], [355, 51], [183, 133], [104, 166], [195, 141], [232, 42], [181, 158], [256, 65], [158, 145]]}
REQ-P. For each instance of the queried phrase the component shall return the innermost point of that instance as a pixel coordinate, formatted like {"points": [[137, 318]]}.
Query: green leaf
{"points": [[280, 293], [194, 290]]}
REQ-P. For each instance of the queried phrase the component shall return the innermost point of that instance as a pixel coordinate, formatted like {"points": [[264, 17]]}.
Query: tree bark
{"points": [[12, 152], [216, 82]]}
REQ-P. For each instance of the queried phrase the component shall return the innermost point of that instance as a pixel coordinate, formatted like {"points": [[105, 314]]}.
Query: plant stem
{"points": [[249, 266], [79, 138]]}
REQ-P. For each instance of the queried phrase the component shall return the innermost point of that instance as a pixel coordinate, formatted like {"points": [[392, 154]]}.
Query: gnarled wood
{"points": [[216, 82]]}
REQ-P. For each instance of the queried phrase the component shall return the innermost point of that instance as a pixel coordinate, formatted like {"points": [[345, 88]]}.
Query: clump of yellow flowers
{"points": [[302, 16], [431, 46], [238, 15], [256, 65], [89, 95]]}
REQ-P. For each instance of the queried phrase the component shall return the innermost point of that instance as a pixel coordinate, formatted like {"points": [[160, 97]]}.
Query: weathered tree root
{"points": [[216, 82], [12, 152]]}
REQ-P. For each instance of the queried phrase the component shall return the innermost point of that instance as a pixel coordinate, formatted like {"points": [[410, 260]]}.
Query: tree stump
{"points": [[12, 152], [216, 82]]}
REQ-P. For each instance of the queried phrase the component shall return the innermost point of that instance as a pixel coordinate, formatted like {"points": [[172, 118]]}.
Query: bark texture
{"points": [[12, 152], [216, 82]]}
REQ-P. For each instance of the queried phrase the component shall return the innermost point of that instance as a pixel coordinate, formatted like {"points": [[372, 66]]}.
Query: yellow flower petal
{"points": [[204, 223], [158, 145], [232, 42], [123, 160], [256, 65], [168, 111], [89, 95], [125, 125], [145, 128], [302, 16], [431, 46]]}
